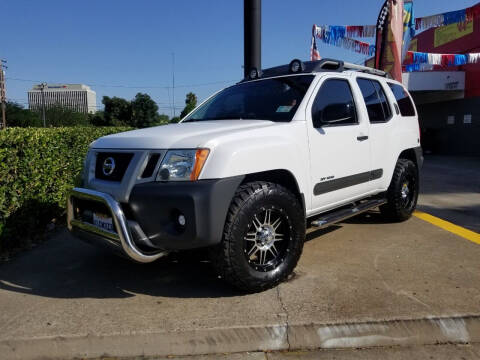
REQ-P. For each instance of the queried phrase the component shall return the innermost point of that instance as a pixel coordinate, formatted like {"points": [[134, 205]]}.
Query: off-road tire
{"points": [[398, 208], [229, 257]]}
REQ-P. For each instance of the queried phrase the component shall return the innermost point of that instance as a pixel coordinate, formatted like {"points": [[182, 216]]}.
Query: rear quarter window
{"points": [[403, 99]]}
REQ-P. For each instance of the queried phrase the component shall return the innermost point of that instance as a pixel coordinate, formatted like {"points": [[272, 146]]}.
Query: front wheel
{"points": [[263, 237], [402, 195]]}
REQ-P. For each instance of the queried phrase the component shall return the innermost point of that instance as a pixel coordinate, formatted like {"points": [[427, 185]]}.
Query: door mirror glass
{"points": [[334, 105], [338, 113]]}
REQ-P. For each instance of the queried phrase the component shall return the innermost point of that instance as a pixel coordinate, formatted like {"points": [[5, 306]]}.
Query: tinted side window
{"points": [[334, 104], [404, 102], [375, 99]]}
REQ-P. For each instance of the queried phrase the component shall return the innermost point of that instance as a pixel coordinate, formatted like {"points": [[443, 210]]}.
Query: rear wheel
{"points": [[402, 195], [263, 237]]}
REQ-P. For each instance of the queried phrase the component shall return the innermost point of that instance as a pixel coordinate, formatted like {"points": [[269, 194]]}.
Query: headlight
{"points": [[182, 165]]}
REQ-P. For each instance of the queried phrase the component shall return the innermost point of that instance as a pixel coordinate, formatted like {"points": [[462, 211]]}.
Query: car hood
{"points": [[178, 136]]}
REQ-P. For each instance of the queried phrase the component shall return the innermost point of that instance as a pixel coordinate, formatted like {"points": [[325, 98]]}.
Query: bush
{"points": [[37, 168], [56, 115]]}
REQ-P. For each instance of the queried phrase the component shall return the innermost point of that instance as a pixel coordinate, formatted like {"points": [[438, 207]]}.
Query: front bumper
{"points": [[121, 241], [147, 227]]}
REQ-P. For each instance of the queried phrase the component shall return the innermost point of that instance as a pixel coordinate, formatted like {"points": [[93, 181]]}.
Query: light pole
{"points": [[252, 35], [42, 88], [3, 97]]}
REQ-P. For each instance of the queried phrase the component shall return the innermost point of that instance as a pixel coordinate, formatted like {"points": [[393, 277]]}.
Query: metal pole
{"points": [[252, 31], [3, 95], [4, 118], [173, 82], [42, 88]]}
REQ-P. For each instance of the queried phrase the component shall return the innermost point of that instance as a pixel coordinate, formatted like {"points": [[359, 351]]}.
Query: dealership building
{"points": [[448, 97], [77, 97]]}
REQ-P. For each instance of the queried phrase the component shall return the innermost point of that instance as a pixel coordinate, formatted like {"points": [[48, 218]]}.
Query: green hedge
{"points": [[37, 168]]}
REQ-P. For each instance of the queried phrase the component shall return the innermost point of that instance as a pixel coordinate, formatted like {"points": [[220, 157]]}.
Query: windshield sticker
{"points": [[284, 109]]}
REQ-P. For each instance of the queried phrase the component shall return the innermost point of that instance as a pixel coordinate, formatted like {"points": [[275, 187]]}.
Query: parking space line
{"points": [[445, 225]]}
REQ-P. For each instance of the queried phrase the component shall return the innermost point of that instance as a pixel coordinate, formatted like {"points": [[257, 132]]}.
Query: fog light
{"points": [[181, 220], [254, 74], [164, 174], [296, 66]]}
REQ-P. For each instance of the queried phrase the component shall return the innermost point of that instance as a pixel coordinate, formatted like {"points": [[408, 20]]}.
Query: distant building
{"points": [[77, 97]]}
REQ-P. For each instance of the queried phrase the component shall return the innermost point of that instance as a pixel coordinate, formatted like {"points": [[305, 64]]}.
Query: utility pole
{"points": [[42, 88], [3, 97], [252, 35], [173, 82]]}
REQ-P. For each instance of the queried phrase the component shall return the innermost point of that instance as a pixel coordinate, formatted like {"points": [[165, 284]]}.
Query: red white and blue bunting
{"points": [[339, 36], [415, 60], [342, 36], [452, 17], [360, 31]]}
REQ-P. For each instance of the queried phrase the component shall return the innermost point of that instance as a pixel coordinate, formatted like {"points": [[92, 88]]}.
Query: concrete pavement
{"points": [[451, 190], [364, 283], [438, 352], [359, 284]]}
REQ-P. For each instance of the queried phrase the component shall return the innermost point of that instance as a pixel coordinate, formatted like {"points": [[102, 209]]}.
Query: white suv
{"points": [[246, 171]]}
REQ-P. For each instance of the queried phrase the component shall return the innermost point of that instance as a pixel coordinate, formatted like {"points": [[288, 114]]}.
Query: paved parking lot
{"points": [[362, 283], [451, 190]]}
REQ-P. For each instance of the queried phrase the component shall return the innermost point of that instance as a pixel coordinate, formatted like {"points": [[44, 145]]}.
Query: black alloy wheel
{"points": [[263, 237], [402, 194], [267, 238]]}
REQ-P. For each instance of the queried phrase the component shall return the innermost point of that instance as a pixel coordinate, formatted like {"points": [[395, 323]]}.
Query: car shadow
{"points": [[368, 217], [316, 233], [64, 267]]}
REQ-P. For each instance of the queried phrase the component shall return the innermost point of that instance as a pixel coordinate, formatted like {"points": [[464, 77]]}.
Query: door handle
{"points": [[362, 138]]}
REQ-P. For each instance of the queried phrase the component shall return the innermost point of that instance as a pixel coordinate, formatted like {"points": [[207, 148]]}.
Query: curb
{"points": [[427, 331]]}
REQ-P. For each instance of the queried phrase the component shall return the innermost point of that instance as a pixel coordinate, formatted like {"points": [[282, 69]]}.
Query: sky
{"points": [[120, 47]]}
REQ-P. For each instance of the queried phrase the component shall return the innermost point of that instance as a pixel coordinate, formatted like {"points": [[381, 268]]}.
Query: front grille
{"points": [[121, 161]]}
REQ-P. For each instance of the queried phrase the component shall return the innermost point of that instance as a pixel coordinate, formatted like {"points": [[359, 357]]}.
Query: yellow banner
{"points": [[413, 45], [449, 33]]}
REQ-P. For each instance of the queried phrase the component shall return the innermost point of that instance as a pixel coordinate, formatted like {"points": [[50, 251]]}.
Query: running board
{"points": [[343, 214]]}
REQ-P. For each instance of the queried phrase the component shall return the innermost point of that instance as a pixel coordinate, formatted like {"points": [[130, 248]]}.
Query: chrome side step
{"points": [[343, 214]]}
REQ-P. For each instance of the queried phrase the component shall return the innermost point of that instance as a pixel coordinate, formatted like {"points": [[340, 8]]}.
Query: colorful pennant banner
{"points": [[418, 58], [452, 17], [360, 31], [337, 36]]}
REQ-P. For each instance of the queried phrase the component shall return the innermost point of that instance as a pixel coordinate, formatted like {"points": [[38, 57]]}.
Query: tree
{"points": [[19, 117], [162, 119], [97, 119], [190, 104], [58, 115], [118, 112], [144, 111]]}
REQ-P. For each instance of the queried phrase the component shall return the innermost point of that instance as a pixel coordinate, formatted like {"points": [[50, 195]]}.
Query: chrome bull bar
{"points": [[122, 238]]}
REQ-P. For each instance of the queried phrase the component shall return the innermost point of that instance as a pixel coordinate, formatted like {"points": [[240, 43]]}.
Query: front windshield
{"points": [[275, 99]]}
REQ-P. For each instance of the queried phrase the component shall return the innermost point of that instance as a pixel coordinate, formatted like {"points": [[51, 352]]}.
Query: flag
{"points": [[314, 54], [408, 27], [382, 30], [390, 38]]}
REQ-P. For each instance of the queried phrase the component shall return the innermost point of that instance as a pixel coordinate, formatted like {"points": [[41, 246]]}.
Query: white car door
{"points": [[382, 127], [338, 131]]}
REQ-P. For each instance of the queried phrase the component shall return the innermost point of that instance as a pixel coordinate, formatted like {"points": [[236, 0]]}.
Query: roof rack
{"points": [[338, 65], [366, 69], [324, 65]]}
